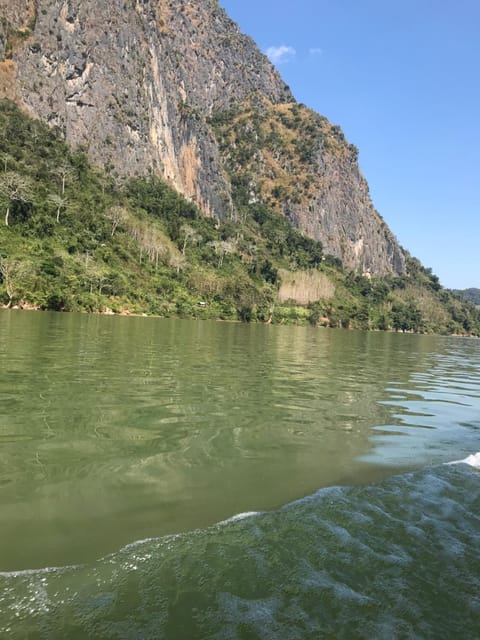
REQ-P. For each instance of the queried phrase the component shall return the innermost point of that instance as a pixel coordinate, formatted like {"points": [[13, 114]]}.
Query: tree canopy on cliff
{"points": [[82, 239]]}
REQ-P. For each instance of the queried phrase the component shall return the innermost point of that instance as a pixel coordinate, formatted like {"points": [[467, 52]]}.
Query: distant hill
{"points": [[469, 295]]}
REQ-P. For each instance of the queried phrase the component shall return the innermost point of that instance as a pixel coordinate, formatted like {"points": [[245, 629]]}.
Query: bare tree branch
{"points": [[61, 203], [117, 215], [65, 173], [15, 188], [12, 271], [189, 235], [222, 247]]}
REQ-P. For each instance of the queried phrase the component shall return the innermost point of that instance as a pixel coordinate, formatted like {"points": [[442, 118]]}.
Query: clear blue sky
{"points": [[402, 79]]}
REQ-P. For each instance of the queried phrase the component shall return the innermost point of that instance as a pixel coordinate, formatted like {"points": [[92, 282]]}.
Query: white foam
{"points": [[472, 460], [240, 516], [137, 543], [20, 573]]}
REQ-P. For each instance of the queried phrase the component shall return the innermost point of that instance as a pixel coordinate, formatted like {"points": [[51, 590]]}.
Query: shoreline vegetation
{"points": [[126, 313], [74, 237]]}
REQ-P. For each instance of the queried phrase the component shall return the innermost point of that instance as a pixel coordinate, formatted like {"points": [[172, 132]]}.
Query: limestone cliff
{"points": [[294, 160], [140, 84]]}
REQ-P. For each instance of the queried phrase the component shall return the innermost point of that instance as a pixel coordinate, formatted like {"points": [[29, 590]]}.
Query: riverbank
{"points": [[299, 316]]}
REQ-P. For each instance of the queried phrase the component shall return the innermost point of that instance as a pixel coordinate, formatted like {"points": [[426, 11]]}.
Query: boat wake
{"points": [[400, 558], [472, 460]]}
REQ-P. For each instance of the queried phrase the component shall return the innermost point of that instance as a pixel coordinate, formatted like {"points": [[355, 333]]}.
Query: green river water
{"points": [[175, 479]]}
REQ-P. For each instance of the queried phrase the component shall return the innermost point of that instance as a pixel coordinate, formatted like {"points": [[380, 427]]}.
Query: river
{"points": [[185, 480]]}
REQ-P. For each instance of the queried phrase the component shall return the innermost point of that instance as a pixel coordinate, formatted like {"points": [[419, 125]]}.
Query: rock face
{"points": [[294, 160], [137, 83]]}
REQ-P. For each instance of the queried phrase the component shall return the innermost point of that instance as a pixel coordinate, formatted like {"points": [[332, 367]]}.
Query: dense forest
{"points": [[75, 237], [470, 295]]}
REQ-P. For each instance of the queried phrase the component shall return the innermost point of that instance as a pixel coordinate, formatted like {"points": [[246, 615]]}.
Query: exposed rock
{"points": [[18, 14], [134, 83], [289, 157]]}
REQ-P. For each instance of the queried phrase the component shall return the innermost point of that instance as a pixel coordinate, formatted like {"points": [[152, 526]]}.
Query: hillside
{"points": [[76, 238], [176, 90], [154, 161], [469, 295]]}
